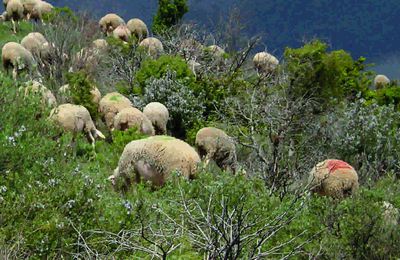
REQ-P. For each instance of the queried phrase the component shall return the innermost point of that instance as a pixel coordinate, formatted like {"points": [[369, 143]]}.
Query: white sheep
{"points": [[152, 46], [154, 159], [110, 105], [122, 32], [265, 62], [216, 51], [31, 10], [15, 56], [95, 93], [109, 23], [138, 28], [380, 81], [75, 119], [333, 178], [214, 144], [100, 45], [36, 88], [15, 11], [132, 117], [158, 114], [37, 44]]}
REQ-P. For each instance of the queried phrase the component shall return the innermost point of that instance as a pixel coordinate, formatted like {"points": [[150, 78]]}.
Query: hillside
{"points": [[254, 156], [366, 28]]}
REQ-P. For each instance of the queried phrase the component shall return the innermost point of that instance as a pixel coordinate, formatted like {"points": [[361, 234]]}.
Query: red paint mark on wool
{"points": [[334, 165]]}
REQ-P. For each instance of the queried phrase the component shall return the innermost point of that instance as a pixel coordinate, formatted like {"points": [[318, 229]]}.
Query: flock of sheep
{"points": [[155, 157]]}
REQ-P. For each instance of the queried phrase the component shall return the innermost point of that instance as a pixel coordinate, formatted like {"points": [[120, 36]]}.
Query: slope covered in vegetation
{"points": [[56, 200]]}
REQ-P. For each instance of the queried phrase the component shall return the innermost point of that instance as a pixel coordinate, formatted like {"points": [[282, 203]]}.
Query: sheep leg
{"points": [[14, 27], [14, 73]]}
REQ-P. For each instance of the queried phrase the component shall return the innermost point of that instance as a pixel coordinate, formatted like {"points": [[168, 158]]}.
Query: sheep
{"points": [[31, 9], [214, 144], [153, 159], [265, 62], [158, 114], [36, 44], [152, 46], [45, 7], [37, 88], [15, 56], [109, 23], [100, 45], [122, 32], [138, 28], [15, 11], [380, 81], [216, 51], [132, 117], [110, 105], [95, 92], [333, 178], [75, 119], [391, 214]]}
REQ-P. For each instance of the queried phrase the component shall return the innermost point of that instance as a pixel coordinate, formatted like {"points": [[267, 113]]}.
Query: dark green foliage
{"points": [[385, 96], [80, 87], [158, 68], [169, 13], [328, 77], [60, 11]]}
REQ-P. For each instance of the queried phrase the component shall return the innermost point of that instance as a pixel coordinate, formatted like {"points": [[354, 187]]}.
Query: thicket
{"points": [[56, 201]]}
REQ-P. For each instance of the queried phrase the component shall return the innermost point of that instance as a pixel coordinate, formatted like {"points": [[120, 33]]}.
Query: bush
{"points": [[328, 77], [80, 87], [169, 13], [158, 69]]}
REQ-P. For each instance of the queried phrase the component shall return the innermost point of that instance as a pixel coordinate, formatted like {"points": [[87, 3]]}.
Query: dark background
{"points": [[367, 28]]}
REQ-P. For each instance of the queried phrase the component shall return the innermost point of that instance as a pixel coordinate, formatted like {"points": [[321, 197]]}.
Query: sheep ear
{"points": [[100, 134]]}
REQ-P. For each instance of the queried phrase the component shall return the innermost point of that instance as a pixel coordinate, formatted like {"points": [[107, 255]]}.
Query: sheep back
{"points": [[163, 153], [110, 105], [110, 22], [265, 62], [215, 144], [380, 81], [138, 28], [131, 117], [158, 114], [152, 46], [333, 178], [17, 56]]}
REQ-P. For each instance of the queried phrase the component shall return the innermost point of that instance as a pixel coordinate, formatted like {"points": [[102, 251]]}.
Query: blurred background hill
{"points": [[367, 28]]}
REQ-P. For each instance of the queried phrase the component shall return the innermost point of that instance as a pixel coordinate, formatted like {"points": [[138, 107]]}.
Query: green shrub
{"points": [[169, 13], [80, 87], [328, 77], [158, 69]]}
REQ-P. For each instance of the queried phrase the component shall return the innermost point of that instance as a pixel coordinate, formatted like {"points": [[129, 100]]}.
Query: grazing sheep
{"points": [[31, 9], [36, 44], [391, 214], [95, 92], [37, 88], [100, 45], [110, 105], [45, 7], [15, 11], [15, 56], [214, 144], [109, 23], [216, 51], [138, 28], [333, 178], [131, 117], [152, 46], [380, 81], [153, 159], [265, 62], [75, 119], [158, 114], [122, 32]]}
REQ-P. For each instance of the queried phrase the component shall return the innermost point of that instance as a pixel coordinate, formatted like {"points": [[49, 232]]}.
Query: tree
{"points": [[169, 13]]}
